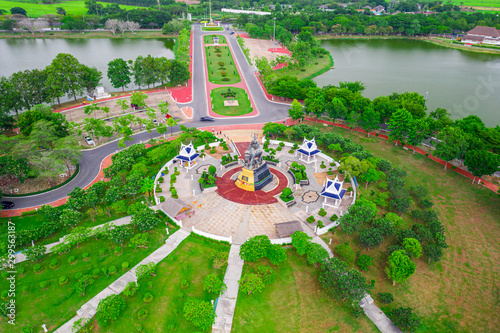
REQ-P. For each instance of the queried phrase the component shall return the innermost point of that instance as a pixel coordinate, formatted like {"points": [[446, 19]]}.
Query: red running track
{"points": [[227, 189]]}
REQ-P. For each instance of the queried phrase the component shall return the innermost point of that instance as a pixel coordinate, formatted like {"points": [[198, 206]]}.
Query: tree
{"points": [[91, 78], [364, 262], [64, 75], [70, 217], [315, 102], [200, 313], [145, 219], [213, 284], [119, 75], [369, 120], [401, 205], [370, 237], [111, 25], [344, 284], [296, 110], [145, 270], [453, 144], [433, 252], [301, 241], [355, 87], [172, 27], [18, 10], [255, 248], [82, 284], [400, 267], [119, 233], [316, 254], [35, 253], [372, 175], [400, 125], [419, 132], [405, 319], [362, 211], [133, 26], [481, 162], [109, 308], [139, 98], [251, 283], [336, 109], [276, 254], [412, 247]]}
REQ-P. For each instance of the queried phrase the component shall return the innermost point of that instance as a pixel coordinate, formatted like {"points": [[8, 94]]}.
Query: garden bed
{"points": [[220, 65], [244, 106]]}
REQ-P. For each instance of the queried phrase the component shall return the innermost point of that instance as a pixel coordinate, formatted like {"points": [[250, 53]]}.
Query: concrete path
{"points": [[20, 257], [89, 309], [227, 302], [384, 324]]}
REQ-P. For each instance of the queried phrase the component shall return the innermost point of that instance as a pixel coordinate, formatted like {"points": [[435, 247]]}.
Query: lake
{"points": [[462, 82], [21, 54]]}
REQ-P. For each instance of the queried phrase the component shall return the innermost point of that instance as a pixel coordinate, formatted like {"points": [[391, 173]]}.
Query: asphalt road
{"points": [[91, 159]]}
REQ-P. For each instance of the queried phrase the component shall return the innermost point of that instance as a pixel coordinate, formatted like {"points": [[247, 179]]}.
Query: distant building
{"points": [[482, 35], [379, 8]]}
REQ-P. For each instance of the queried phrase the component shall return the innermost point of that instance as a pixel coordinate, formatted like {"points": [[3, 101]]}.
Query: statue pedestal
{"points": [[254, 180]]}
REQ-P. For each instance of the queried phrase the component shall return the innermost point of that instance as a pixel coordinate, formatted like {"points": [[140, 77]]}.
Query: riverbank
{"points": [[86, 34], [432, 40]]}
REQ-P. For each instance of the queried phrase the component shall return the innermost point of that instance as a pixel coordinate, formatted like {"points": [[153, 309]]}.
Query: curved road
{"points": [[91, 159]]}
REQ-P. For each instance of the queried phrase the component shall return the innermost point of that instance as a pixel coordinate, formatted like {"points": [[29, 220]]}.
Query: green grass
{"points": [[190, 261], [32, 221], [215, 70], [56, 305], [209, 39], [294, 302], [212, 28], [36, 10], [315, 67], [457, 294], [244, 105]]}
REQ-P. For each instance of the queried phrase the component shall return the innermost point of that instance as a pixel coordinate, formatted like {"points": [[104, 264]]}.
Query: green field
{"points": [[244, 106], [220, 63], [36, 10]]}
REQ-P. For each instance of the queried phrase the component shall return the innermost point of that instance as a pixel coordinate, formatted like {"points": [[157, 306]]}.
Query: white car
{"points": [[89, 141]]}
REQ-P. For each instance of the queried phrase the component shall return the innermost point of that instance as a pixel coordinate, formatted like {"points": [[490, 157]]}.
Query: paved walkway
{"points": [[89, 309], [377, 316], [227, 302]]}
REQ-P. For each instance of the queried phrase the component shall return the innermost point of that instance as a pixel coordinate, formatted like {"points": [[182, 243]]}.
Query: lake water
{"points": [[462, 82], [21, 54]]}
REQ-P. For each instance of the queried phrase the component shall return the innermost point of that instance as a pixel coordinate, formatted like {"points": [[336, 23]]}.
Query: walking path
{"points": [[89, 309], [227, 302], [377, 316]]}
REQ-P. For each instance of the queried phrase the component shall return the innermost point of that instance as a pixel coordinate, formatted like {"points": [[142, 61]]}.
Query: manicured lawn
{"points": [[310, 70], [191, 261], [57, 304], [71, 7], [244, 106], [220, 65], [212, 28], [209, 39], [294, 302], [459, 293]]}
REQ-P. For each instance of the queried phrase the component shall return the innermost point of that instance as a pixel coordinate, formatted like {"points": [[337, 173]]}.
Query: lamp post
{"points": [[425, 100], [274, 34]]}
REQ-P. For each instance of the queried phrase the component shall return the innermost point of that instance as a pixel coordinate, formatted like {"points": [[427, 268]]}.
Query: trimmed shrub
{"points": [[310, 219], [148, 297], [37, 268], [54, 263], [85, 256], [112, 270], [96, 273], [44, 285], [142, 314], [63, 280], [184, 284], [322, 212], [386, 298], [71, 260], [320, 224], [78, 276], [102, 252], [125, 265], [118, 250], [162, 199]]}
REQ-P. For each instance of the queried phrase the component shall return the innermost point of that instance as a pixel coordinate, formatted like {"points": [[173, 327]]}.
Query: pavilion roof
{"points": [[187, 153], [309, 147], [333, 189]]}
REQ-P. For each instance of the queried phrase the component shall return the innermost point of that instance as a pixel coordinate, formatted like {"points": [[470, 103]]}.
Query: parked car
{"points": [[7, 204], [89, 141], [231, 33], [207, 119]]}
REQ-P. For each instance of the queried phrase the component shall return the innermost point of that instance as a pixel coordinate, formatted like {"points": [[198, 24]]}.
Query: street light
{"points": [[274, 35]]}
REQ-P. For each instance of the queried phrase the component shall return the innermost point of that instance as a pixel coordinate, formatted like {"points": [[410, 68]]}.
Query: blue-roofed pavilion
{"points": [[187, 155], [333, 193], [308, 150]]}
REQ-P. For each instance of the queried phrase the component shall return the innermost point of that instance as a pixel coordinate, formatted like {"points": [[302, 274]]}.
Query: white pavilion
{"points": [[187, 156], [308, 150], [333, 193]]}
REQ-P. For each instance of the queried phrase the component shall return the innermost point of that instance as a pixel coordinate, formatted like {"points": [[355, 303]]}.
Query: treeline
{"points": [[351, 22], [407, 119], [67, 76], [143, 3]]}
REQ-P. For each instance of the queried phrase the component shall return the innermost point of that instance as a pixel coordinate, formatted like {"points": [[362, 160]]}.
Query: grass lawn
{"points": [[209, 39], [212, 28], [191, 261], [32, 221], [244, 106], [71, 7], [294, 302], [220, 65], [57, 304], [315, 66], [459, 293]]}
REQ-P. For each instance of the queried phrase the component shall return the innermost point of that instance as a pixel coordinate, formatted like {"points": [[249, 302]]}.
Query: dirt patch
{"points": [[243, 135], [219, 152], [260, 48], [9, 185]]}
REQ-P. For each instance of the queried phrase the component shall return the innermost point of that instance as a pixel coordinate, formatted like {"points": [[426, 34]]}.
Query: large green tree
{"points": [[399, 267], [481, 162], [453, 143], [119, 73], [400, 124]]}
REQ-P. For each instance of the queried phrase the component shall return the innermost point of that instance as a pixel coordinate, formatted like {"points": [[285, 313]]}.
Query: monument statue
{"points": [[253, 155], [255, 175]]}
